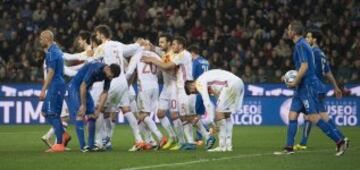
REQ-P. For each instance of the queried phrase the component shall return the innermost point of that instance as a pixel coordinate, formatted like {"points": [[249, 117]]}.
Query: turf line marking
{"points": [[21, 132], [216, 159]]}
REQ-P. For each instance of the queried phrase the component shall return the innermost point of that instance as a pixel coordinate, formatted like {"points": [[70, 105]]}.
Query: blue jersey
{"points": [[90, 73], [54, 60], [200, 65], [321, 63], [307, 97], [303, 54], [52, 104]]}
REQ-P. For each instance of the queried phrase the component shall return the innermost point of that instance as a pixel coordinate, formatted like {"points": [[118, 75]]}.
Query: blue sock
{"points": [[326, 128], [91, 130], [337, 131], [59, 130], [292, 128], [306, 131], [80, 132], [198, 135]]}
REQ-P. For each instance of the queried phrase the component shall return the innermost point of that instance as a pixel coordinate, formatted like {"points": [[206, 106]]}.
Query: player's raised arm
{"points": [[77, 56]]}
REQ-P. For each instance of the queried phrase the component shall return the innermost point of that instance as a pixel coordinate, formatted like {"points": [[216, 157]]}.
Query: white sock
{"points": [[50, 133], [98, 130], [203, 130], [222, 132], [167, 126], [146, 133], [229, 131], [65, 125], [152, 126], [179, 130], [134, 126], [188, 130], [107, 128]]}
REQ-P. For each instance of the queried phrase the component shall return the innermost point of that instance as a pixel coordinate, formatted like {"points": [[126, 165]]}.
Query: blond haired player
{"points": [[229, 90], [148, 89]]}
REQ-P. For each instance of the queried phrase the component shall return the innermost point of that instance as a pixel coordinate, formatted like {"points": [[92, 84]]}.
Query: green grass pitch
{"points": [[21, 148]]}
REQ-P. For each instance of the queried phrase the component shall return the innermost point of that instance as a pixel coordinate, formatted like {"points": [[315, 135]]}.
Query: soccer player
{"points": [[308, 93], [180, 66], [199, 66], [229, 89], [114, 52], [83, 41], [148, 89], [322, 69], [55, 86], [167, 99], [80, 102]]}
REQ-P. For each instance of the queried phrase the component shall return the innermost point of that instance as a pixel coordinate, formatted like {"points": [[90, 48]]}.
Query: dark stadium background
{"points": [[246, 37]]}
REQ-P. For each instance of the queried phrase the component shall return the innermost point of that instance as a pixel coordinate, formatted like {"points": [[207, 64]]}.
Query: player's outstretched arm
{"points": [[77, 56], [160, 64]]}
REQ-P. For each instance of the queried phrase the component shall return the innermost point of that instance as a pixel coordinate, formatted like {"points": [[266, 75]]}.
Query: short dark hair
{"points": [[297, 27], [85, 35], [104, 30], [167, 36], [188, 85], [181, 40], [95, 40], [115, 69], [195, 49], [316, 34]]}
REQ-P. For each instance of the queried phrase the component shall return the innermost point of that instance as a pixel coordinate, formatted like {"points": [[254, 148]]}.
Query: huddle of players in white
{"points": [[177, 96]]}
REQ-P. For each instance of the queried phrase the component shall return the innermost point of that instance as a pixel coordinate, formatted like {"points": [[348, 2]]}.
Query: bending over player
{"points": [[229, 89]]}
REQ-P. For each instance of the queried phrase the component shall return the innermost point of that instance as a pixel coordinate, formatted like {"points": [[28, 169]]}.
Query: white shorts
{"points": [[231, 98], [168, 99], [147, 99], [184, 103], [118, 94], [64, 110]]}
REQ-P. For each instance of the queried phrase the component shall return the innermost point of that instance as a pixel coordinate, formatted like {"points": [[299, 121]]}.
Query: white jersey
{"points": [[184, 70], [222, 84], [113, 52], [146, 73], [169, 76]]}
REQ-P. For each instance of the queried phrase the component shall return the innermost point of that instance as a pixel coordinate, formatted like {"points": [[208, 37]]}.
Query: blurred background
{"points": [[243, 36]]}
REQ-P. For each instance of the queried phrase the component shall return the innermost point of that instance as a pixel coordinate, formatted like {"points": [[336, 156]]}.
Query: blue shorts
{"points": [[53, 102], [73, 102], [309, 103]]}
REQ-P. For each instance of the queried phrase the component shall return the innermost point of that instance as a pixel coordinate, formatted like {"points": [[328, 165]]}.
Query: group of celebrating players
{"points": [[102, 86], [193, 96]]}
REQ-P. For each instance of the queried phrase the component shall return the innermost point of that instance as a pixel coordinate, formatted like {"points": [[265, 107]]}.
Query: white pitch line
{"points": [[213, 159]]}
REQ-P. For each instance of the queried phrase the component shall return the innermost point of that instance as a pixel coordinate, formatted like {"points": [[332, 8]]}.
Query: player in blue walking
{"points": [[80, 102], [199, 66], [55, 86], [308, 93], [322, 70]]}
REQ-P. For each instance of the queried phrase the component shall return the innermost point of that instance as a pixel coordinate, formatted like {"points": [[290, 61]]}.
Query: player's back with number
{"points": [[321, 63], [200, 65]]}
